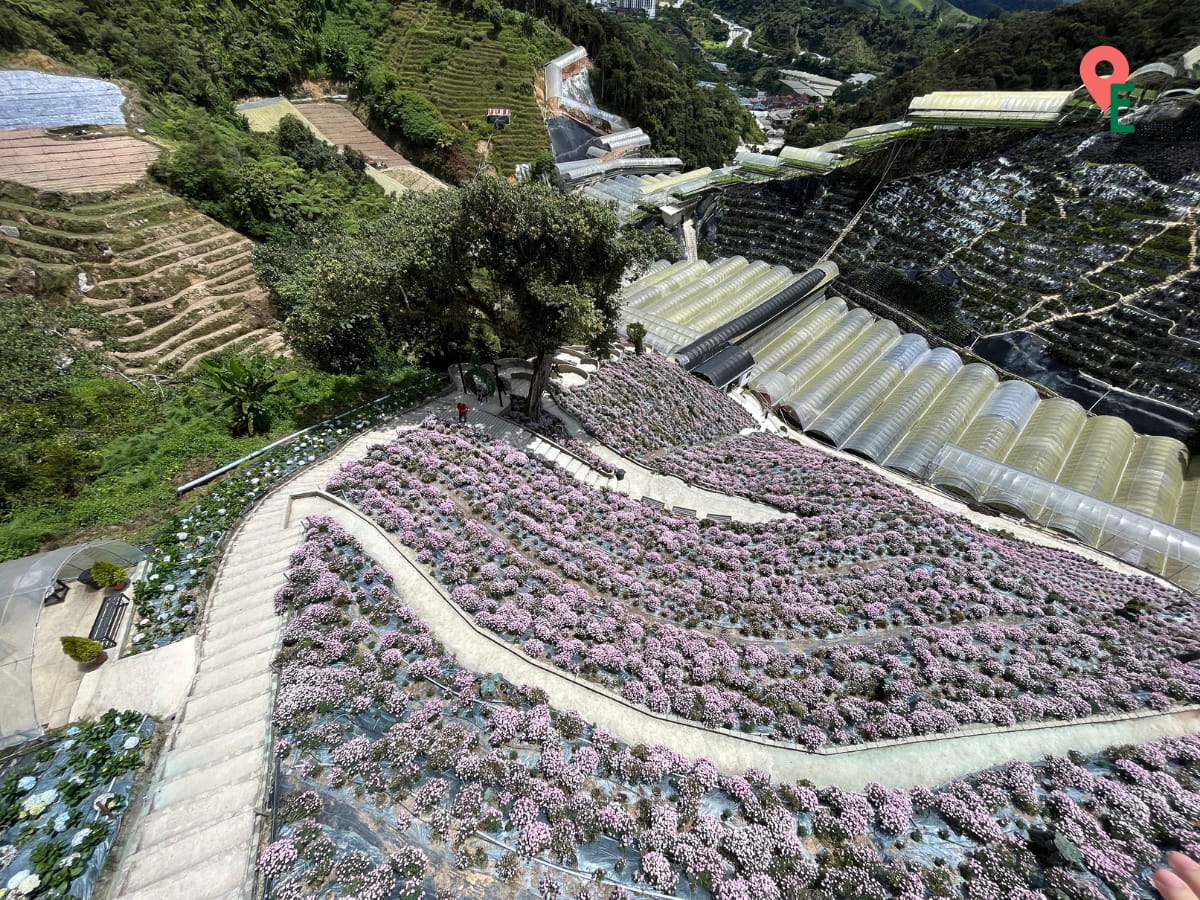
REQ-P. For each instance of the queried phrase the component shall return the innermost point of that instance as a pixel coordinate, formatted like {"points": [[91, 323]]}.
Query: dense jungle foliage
{"points": [[82, 452], [1035, 50]]}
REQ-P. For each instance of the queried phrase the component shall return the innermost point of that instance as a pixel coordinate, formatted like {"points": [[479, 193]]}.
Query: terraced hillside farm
{"points": [[32, 157], [175, 285], [1032, 249], [466, 66]]}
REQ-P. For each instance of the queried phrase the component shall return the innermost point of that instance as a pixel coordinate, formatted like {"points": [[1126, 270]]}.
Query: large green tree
{"points": [[514, 268]]}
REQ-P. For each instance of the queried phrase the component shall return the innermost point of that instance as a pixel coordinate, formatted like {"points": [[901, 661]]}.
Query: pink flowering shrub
{"points": [[645, 403], [876, 619], [551, 787]]}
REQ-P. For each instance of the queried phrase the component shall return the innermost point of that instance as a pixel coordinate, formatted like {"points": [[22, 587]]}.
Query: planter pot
{"points": [[95, 663]]}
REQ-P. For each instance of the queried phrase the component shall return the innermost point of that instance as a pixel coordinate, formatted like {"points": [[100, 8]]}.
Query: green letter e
{"points": [[1116, 103]]}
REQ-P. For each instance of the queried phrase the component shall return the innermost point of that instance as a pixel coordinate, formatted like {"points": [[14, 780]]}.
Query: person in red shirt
{"points": [[462, 412]]}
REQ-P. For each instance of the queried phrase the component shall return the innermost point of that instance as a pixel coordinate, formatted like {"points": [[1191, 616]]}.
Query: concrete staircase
{"points": [[514, 434], [199, 831]]}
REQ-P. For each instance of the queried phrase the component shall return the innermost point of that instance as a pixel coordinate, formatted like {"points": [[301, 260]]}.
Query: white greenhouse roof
{"points": [[998, 107]]}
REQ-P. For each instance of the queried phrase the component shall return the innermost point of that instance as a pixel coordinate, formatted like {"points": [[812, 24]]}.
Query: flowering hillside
{"points": [[404, 775], [642, 404], [868, 621]]}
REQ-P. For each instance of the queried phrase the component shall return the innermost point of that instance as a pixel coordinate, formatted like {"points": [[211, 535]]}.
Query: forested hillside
{"points": [[1034, 50], [883, 37]]}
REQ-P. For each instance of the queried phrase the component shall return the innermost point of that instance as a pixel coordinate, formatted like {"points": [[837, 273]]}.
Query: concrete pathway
{"points": [[199, 829], [639, 482], [929, 759], [198, 833]]}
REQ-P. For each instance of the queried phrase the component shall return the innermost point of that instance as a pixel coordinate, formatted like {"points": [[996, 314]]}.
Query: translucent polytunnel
{"points": [[738, 293], [702, 286], [1136, 538], [944, 419], [819, 391], [1000, 420], [878, 434], [1096, 462], [782, 383], [638, 297], [757, 287], [1040, 449], [1187, 516], [812, 322], [854, 402], [1153, 478]]}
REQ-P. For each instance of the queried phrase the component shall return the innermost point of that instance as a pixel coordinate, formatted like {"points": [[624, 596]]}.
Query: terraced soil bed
{"points": [[404, 774], [872, 616], [30, 157], [174, 285]]}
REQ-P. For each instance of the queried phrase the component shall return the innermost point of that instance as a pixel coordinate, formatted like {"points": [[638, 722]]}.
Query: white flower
{"points": [[132, 741], [80, 836], [29, 884], [15, 881], [182, 536], [27, 783], [60, 822], [68, 859]]}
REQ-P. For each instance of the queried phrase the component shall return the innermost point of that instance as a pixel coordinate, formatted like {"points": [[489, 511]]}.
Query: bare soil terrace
{"points": [[30, 157]]}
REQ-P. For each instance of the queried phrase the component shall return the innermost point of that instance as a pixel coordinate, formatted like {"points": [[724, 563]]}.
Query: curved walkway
{"points": [[639, 482], [197, 832], [199, 829], [929, 759]]}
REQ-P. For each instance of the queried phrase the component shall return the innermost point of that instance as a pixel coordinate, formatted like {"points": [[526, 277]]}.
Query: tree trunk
{"points": [[537, 384]]}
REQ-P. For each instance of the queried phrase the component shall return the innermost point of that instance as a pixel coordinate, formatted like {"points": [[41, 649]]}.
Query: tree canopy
{"points": [[507, 268]]}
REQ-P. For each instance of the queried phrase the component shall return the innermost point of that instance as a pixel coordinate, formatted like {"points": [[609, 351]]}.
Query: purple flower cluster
{"points": [[916, 628], [643, 404], [549, 786]]}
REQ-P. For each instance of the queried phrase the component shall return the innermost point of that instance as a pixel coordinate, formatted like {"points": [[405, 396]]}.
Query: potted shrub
{"points": [[84, 650], [108, 575]]}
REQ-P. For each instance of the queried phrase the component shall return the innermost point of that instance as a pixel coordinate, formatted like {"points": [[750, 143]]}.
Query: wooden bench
{"points": [[684, 511], [657, 504], [716, 517], [108, 620]]}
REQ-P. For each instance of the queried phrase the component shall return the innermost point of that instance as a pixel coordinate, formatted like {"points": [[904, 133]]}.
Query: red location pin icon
{"points": [[1098, 85]]}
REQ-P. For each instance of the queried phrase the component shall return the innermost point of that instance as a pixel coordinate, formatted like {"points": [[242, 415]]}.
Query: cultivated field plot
{"points": [[263, 115], [28, 156], [176, 285], [341, 128], [469, 67]]}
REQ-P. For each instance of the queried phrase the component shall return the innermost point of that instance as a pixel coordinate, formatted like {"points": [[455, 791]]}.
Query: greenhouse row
{"points": [[857, 382]]}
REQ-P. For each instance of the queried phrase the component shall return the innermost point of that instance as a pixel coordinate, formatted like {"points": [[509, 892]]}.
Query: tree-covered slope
{"points": [[1035, 50]]}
